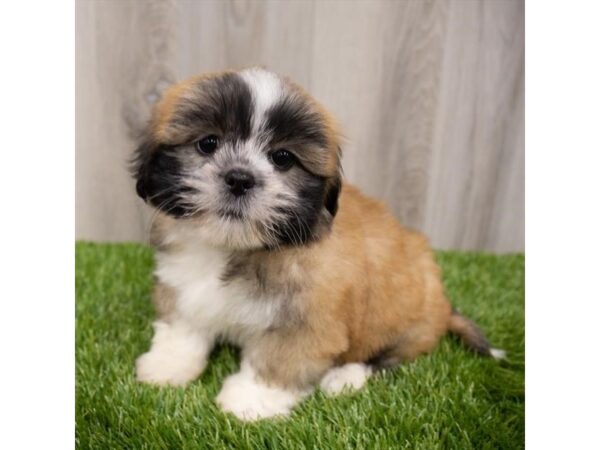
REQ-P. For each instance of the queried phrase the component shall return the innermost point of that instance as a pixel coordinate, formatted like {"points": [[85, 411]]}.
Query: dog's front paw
{"points": [[349, 377], [178, 355], [163, 369], [249, 399]]}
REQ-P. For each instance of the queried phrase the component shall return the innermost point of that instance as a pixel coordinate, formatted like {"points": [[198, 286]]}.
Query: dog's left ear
{"points": [[334, 186], [332, 195]]}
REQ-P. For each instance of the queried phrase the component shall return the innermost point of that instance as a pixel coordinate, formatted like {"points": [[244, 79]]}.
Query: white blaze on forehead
{"points": [[266, 88]]}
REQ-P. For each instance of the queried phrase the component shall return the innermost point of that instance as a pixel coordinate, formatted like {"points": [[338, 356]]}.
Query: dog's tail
{"points": [[472, 337]]}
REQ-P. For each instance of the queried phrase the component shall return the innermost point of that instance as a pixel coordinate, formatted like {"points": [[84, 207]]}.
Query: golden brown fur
{"points": [[361, 289], [370, 286]]}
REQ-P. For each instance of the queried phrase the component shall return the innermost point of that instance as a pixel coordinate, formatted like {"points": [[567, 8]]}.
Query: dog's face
{"points": [[246, 156]]}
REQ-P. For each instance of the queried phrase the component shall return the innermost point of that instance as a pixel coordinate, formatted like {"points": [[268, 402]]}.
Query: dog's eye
{"points": [[207, 145], [282, 159]]}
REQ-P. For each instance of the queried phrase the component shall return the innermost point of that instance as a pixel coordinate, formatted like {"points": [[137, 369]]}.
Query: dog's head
{"points": [[247, 156]]}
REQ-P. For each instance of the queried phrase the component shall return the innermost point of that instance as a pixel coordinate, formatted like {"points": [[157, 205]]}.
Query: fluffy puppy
{"points": [[259, 243]]}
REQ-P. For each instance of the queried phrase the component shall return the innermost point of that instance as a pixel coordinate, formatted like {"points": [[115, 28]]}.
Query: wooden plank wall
{"points": [[430, 95]]}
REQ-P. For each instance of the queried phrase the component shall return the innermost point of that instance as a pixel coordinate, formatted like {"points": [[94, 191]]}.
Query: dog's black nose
{"points": [[239, 181]]}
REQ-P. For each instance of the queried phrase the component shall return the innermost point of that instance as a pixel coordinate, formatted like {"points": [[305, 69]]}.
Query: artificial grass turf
{"points": [[448, 399]]}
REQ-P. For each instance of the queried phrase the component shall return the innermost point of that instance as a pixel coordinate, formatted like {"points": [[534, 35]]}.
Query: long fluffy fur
{"points": [[313, 280]]}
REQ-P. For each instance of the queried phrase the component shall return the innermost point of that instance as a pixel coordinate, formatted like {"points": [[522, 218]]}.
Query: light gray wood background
{"points": [[430, 95]]}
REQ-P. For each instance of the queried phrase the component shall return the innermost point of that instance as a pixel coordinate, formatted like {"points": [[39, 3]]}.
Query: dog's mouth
{"points": [[235, 208]]}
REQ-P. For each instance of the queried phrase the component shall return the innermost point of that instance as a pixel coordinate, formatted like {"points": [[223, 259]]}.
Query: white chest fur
{"points": [[206, 302]]}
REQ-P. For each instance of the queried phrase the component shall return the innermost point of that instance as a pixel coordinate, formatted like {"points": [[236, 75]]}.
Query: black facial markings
{"points": [[301, 221], [295, 122], [156, 170], [224, 104], [292, 120]]}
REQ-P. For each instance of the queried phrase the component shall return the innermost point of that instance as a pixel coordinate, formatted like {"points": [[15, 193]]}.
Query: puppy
{"points": [[260, 243]]}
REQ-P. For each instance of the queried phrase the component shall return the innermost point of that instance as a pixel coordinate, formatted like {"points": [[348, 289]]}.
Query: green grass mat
{"points": [[450, 399]]}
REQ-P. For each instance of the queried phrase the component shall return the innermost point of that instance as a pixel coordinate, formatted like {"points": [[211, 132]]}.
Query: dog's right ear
{"points": [[139, 167]]}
